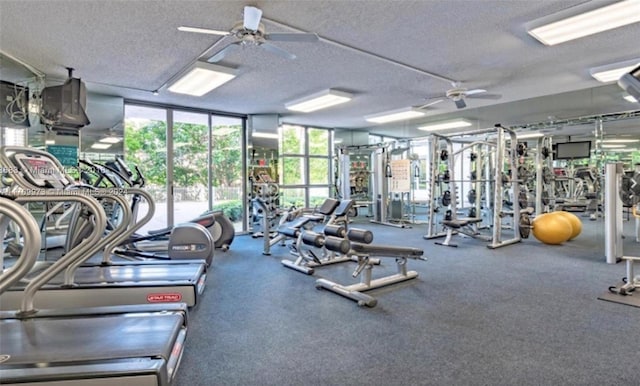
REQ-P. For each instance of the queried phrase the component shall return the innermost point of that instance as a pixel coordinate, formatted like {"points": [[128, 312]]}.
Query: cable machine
{"points": [[451, 222], [369, 178]]}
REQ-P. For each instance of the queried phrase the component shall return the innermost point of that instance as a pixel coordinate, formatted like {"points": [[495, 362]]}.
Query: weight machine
{"points": [[613, 223], [379, 176], [469, 225], [545, 181]]}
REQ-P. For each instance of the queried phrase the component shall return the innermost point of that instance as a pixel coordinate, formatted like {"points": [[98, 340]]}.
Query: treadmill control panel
{"points": [[41, 170]]}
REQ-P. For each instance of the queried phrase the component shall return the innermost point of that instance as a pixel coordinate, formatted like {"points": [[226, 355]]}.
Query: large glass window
{"points": [[190, 165], [192, 162], [305, 165], [318, 141], [227, 167], [145, 143], [292, 140], [293, 171], [318, 169]]}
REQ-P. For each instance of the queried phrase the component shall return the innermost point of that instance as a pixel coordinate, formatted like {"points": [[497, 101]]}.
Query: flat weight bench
{"points": [[364, 252], [464, 225], [307, 260]]}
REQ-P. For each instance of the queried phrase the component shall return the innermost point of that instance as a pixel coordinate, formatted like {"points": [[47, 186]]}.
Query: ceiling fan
{"points": [[251, 32], [458, 95]]}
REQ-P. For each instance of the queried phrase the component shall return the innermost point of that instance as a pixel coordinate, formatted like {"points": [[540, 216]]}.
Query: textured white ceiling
{"points": [[130, 48]]}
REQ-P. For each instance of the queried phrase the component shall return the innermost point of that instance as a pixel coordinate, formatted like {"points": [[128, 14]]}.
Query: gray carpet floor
{"points": [[525, 314]]}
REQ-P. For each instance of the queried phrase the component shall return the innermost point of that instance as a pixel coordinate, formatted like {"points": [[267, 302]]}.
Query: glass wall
{"points": [[145, 143], [192, 162], [190, 165], [227, 167]]}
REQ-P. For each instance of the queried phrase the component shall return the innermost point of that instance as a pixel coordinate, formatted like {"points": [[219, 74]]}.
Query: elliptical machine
{"points": [[219, 226], [185, 241]]}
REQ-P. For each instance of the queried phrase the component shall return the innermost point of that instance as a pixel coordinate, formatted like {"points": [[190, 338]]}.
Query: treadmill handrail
{"points": [[87, 246], [69, 275], [151, 208], [13, 211]]}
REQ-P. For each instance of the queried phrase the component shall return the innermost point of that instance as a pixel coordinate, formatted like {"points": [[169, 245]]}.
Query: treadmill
{"points": [[102, 346], [154, 282]]}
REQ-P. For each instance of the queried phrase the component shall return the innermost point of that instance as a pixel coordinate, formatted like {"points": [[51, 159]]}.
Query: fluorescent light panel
{"points": [[110, 139], [100, 146], [530, 135], [395, 115], [321, 100], [613, 72], [565, 26], [201, 78], [630, 98], [610, 146], [446, 125], [50, 142], [259, 134], [618, 140]]}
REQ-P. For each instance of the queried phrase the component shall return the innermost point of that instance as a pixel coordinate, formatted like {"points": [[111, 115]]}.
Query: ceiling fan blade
{"points": [[252, 16], [223, 52], [485, 96], [460, 103], [277, 51], [475, 91], [202, 30], [430, 104], [292, 37]]}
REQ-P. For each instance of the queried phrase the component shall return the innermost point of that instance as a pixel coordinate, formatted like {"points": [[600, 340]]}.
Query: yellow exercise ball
{"points": [[551, 229], [576, 223]]}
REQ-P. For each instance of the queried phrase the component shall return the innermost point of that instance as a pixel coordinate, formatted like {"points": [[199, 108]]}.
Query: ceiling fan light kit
{"points": [[584, 20], [453, 124], [201, 78], [251, 32], [395, 115], [320, 100]]}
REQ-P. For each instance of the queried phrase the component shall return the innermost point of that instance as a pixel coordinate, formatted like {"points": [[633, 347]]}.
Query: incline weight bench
{"points": [[363, 253], [317, 216]]}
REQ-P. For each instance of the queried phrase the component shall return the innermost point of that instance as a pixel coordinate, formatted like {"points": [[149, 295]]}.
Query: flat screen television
{"points": [[572, 150], [631, 83], [64, 106]]}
